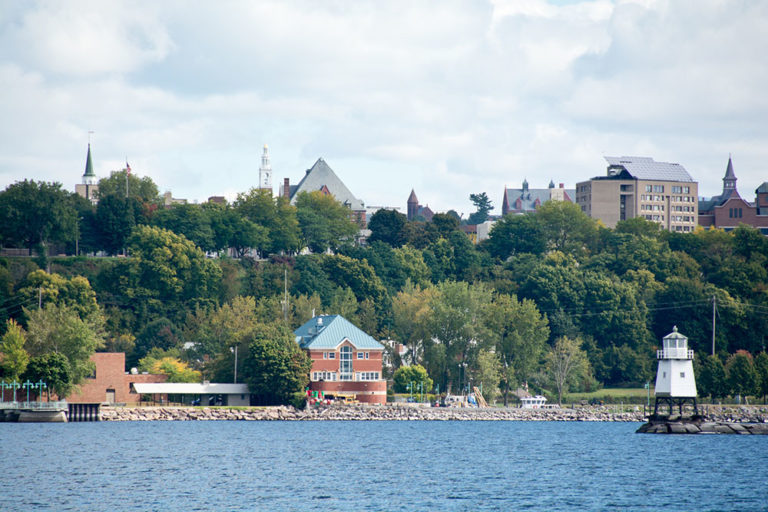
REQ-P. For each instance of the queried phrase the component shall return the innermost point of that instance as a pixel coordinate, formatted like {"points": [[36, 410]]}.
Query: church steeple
{"points": [[89, 178], [729, 180], [265, 171]]}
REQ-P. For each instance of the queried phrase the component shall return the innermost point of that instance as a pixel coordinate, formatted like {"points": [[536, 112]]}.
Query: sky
{"points": [[447, 98]]}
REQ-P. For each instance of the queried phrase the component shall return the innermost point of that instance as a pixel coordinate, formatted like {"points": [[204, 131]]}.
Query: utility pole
{"points": [[714, 311], [285, 295]]}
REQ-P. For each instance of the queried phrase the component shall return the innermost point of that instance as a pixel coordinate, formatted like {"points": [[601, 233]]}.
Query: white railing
{"points": [[37, 406], [674, 353]]}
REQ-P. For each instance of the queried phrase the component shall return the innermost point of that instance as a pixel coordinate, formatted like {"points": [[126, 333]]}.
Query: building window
{"points": [[648, 188], [360, 355], [658, 188], [367, 354], [682, 375], [686, 190], [345, 363], [676, 189], [329, 355], [327, 376], [368, 376]]}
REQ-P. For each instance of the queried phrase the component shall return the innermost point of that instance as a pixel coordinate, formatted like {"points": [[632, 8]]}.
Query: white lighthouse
{"points": [[675, 382], [265, 171]]}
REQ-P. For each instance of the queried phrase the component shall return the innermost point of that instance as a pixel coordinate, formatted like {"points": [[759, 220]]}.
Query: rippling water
{"points": [[375, 466]]}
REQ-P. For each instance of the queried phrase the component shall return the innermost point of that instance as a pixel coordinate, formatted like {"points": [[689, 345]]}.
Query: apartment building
{"points": [[661, 192]]}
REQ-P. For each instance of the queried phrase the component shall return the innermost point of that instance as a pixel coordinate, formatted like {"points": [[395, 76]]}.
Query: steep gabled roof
{"points": [[329, 331], [89, 165], [645, 168], [321, 175]]}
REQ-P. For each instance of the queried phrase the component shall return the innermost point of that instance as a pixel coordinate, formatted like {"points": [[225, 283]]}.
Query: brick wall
{"points": [[110, 375]]}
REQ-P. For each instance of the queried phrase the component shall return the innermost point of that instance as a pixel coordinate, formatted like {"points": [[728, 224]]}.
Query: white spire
{"points": [[265, 171]]}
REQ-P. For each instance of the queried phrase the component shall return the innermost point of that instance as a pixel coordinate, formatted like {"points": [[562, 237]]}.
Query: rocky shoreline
{"points": [[397, 412]]}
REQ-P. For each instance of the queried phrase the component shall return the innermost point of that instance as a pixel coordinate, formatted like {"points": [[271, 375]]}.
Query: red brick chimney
{"points": [[287, 188]]}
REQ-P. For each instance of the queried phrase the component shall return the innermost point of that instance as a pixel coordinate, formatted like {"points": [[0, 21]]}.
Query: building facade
{"points": [[525, 199], [729, 209], [661, 192], [110, 383], [346, 362]]}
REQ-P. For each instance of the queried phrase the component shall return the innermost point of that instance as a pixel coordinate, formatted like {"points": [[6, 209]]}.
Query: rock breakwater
{"points": [[364, 413]]}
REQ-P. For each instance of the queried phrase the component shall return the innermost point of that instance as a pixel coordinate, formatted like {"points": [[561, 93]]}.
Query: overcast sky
{"points": [[448, 98]]}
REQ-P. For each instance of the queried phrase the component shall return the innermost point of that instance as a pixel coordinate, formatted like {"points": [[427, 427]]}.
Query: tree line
{"points": [[546, 289]]}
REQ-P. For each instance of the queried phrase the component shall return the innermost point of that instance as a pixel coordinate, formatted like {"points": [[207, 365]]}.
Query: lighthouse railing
{"points": [[674, 353]]}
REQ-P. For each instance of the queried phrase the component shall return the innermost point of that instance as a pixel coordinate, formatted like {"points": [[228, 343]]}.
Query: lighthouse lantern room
{"points": [[675, 382]]}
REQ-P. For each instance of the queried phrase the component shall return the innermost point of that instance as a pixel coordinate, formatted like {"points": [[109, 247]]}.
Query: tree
{"points": [[142, 189], [34, 214], [160, 333], [276, 217], [60, 330], [191, 220], [566, 228], [711, 379], [53, 369], [458, 324], [412, 379], [74, 292], [167, 273], [116, 216], [483, 205], [166, 363], [565, 361], [387, 226], [487, 374], [13, 357], [275, 368], [742, 377], [516, 234], [411, 316], [325, 223], [521, 334], [761, 365]]}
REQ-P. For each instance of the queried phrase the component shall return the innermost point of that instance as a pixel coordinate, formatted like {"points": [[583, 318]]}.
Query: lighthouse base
{"points": [[673, 401]]}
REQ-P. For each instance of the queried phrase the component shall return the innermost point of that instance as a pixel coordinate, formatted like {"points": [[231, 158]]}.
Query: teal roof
{"points": [[329, 331]]}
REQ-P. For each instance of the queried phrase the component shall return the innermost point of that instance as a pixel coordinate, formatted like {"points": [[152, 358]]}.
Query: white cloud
{"points": [[446, 97]]}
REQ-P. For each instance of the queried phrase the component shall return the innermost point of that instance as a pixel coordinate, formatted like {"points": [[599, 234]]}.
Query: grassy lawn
{"points": [[611, 395]]}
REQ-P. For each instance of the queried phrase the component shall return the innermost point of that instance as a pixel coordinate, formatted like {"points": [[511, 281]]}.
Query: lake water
{"points": [[188, 466]]}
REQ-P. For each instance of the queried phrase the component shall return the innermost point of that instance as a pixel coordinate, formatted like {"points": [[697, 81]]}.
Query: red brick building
{"points": [[728, 210], [110, 383], [346, 362]]}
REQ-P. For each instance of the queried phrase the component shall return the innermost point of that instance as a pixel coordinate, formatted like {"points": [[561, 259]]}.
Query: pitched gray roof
{"points": [[329, 331], [645, 168], [321, 175]]}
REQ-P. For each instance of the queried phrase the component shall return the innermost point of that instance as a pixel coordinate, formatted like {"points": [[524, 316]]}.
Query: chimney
{"points": [[562, 185], [287, 188]]}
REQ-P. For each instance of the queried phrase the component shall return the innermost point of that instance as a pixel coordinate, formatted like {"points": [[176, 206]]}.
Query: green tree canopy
{"points": [[275, 368], [412, 379], [60, 330], [325, 223], [53, 369], [142, 189], [483, 207], [34, 214], [13, 357], [566, 361], [387, 226]]}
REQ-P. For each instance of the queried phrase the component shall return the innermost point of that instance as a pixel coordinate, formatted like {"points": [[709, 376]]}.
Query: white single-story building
{"points": [[205, 393]]}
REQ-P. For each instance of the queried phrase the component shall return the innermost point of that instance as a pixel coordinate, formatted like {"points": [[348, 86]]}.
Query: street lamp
{"points": [[235, 351]]}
